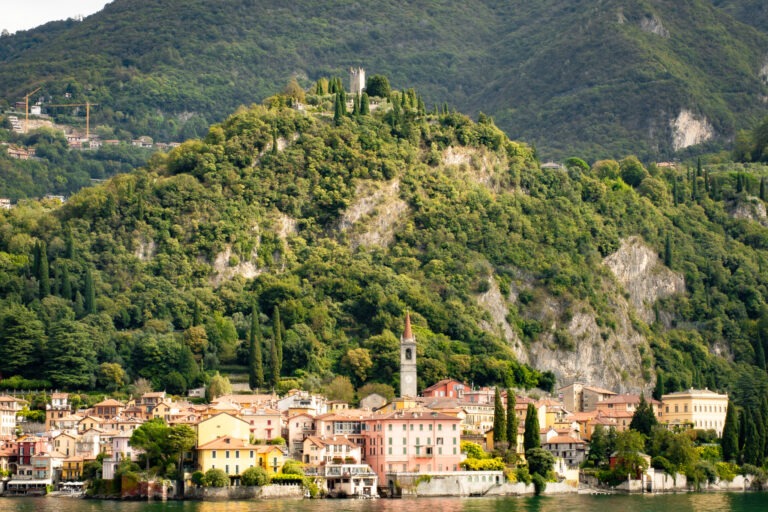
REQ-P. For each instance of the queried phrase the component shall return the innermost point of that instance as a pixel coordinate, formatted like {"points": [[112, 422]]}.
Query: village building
{"points": [[412, 440], [265, 423], [695, 408], [9, 408], [579, 397], [446, 388]]}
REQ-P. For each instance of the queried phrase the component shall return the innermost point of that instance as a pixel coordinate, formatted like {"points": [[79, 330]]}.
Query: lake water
{"points": [[698, 502]]}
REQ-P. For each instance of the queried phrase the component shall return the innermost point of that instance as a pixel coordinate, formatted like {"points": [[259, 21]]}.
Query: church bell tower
{"points": [[407, 361]]}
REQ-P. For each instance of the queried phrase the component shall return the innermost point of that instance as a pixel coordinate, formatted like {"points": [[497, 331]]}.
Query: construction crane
{"points": [[26, 109], [87, 106]]}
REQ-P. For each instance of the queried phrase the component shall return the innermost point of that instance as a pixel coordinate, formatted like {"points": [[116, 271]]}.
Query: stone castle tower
{"points": [[407, 360], [356, 80]]}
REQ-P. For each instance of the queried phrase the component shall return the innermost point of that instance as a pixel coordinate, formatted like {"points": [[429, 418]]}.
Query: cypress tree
{"points": [[89, 296], [365, 106], [338, 111], [694, 189], [65, 284], [343, 98], [531, 437], [643, 420], [759, 353], [658, 391], [279, 332], [706, 182], [762, 189], [36, 260], [668, 252], [255, 363], [275, 363], [698, 166], [44, 273], [511, 421], [675, 194], [276, 348], [752, 440], [499, 420], [69, 245]]}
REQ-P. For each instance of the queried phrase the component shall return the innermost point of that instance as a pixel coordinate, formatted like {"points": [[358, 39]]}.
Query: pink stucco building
{"points": [[412, 440]]}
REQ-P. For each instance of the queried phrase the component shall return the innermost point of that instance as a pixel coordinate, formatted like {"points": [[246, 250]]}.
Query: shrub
{"points": [[726, 471], [523, 475], [539, 484], [198, 478], [292, 467], [254, 476], [283, 479], [216, 478]]}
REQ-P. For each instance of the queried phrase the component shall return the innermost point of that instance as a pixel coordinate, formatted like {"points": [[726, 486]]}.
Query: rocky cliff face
{"points": [[640, 272], [750, 209], [578, 343]]}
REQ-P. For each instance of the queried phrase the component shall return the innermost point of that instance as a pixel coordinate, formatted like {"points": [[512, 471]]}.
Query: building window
{"points": [[389, 450], [237, 455], [213, 454], [408, 354], [389, 427], [251, 454], [404, 427], [226, 455], [389, 442]]}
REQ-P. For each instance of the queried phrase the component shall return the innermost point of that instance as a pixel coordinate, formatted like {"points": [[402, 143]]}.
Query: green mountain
{"points": [[594, 79], [312, 236], [751, 12]]}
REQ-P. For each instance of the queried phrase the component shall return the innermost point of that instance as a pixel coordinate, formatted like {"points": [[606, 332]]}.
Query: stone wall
{"points": [[245, 492], [470, 483]]}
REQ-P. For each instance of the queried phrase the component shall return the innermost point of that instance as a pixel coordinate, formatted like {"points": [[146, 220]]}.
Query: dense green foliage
{"points": [[160, 273], [56, 169], [624, 69]]}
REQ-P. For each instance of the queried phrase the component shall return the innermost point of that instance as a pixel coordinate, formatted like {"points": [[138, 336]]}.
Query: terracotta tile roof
{"points": [[227, 443], [628, 399], [333, 441], [564, 440], [599, 390], [110, 402]]}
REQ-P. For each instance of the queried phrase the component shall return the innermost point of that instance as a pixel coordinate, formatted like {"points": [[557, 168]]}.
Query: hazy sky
{"points": [[25, 14]]}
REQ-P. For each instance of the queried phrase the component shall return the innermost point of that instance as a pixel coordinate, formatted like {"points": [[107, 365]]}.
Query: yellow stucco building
{"points": [[695, 408], [234, 456]]}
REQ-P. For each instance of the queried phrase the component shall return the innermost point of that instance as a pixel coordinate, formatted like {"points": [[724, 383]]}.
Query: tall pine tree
{"points": [[499, 419], [532, 436], [44, 277], [276, 348], [643, 420], [255, 363], [730, 440], [511, 421], [89, 296]]}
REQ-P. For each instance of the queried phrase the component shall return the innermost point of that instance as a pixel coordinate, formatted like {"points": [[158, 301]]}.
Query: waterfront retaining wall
{"points": [[470, 483], [245, 492]]}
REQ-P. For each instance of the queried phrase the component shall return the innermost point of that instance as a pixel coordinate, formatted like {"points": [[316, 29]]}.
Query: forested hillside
{"points": [[598, 79], [57, 170], [312, 234]]}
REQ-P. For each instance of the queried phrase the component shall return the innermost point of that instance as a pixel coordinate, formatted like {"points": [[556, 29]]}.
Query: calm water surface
{"points": [[714, 502]]}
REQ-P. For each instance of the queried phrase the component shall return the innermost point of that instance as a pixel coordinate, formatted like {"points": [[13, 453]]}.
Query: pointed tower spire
{"points": [[407, 334]]}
